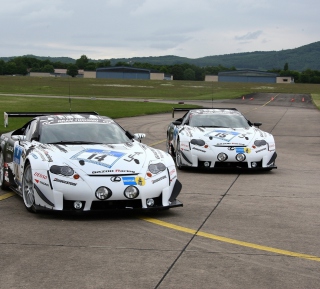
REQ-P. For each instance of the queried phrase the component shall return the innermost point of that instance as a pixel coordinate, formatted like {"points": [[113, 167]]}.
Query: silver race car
{"points": [[85, 162], [219, 138]]}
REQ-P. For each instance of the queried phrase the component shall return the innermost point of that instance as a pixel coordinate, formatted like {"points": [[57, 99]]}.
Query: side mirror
{"points": [[19, 137], [139, 136], [177, 122]]}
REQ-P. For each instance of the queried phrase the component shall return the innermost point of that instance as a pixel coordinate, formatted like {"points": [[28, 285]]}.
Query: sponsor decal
{"points": [[36, 174], [243, 150], [243, 136], [173, 178], [64, 182], [41, 182], [18, 150], [106, 158], [10, 148], [77, 120], [159, 179], [103, 172], [140, 181], [247, 150], [143, 146], [134, 181], [124, 171], [129, 181], [155, 153], [264, 149], [271, 146], [34, 156], [132, 158], [129, 144], [115, 179], [61, 148], [194, 148]]}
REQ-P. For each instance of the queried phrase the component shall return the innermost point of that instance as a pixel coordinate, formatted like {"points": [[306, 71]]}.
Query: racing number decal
{"points": [[99, 158], [223, 135], [104, 158]]}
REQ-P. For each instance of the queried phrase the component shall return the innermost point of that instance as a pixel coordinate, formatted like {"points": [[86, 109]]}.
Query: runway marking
{"points": [[6, 196], [156, 143], [231, 241], [272, 99]]}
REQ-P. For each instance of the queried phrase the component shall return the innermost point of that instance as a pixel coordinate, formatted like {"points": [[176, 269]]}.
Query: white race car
{"points": [[85, 162], [219, 138]]}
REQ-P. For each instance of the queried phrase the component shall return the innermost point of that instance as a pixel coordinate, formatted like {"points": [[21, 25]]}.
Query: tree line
{"points": [[23, 65]]}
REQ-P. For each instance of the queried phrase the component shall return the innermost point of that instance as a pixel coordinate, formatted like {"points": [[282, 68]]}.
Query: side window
{"points": [[30, 131]]}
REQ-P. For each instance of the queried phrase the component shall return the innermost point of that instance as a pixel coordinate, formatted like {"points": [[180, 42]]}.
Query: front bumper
{"points": [[161, 202], [208, 160]]}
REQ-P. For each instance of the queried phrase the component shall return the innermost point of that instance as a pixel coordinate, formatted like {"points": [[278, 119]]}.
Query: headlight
{"points": [[240, 157], [62, 170], [156, 168], [222, 157], [103, 193], [131, 192], [260, 143], [198, 142]]}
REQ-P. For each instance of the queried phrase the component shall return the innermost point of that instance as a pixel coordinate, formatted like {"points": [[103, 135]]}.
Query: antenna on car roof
{"points": [[69, 98]]}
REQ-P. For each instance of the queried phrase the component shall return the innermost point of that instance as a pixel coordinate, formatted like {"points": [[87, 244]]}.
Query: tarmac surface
{"points": [[235, 230]]}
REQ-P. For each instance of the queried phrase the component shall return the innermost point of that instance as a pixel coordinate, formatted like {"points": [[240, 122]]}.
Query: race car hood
{"points": [[226, 136], [120, 159]]}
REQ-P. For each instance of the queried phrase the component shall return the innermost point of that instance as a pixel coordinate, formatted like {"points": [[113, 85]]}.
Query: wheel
{"points": [[178, 156], [28, 189], [2, 182]]}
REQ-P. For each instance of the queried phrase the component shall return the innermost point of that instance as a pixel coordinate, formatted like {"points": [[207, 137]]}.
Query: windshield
{"points": [[218, 120], [109, 133]]}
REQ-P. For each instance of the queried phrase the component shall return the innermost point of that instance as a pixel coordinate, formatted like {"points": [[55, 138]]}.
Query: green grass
{"points": [[113, 109], [316, 99], [143, 89], [13, 89]]}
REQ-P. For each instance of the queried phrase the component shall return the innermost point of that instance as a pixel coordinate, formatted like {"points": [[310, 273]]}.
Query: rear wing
{"points": [[34, 114], [187, 109]]}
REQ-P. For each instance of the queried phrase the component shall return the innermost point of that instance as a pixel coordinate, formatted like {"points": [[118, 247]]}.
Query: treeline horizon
{"points": [[23, 65]]}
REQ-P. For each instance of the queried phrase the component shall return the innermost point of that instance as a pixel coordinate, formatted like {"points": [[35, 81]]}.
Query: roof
{"points": [[248, 72], [126, 69]]}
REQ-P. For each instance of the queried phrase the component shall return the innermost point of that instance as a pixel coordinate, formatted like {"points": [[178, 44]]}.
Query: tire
{"points": [[178, 156], [28, 189], [2, 181]]}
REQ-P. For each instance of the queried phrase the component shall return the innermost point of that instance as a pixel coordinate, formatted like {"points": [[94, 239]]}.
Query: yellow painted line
{"points": [[273, 98], [6, 196], [231, 241], [159, 142]]}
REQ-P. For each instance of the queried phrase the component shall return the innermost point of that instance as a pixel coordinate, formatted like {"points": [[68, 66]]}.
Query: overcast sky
{"points": [[105, 29]]}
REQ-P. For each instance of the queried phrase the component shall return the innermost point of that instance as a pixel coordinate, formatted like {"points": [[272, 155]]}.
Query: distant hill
{"points": [[299, 59]]}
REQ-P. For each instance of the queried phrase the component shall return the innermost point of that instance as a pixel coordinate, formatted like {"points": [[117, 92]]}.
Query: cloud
{"points": [[126, 28], [249, 36]]}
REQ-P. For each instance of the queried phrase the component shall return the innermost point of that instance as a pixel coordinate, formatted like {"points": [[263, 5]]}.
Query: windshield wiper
{"points": [[212, 126], [75, 142]]}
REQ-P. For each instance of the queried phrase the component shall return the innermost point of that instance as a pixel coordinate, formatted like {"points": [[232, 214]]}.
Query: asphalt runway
{"points": [[235, 230]]}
